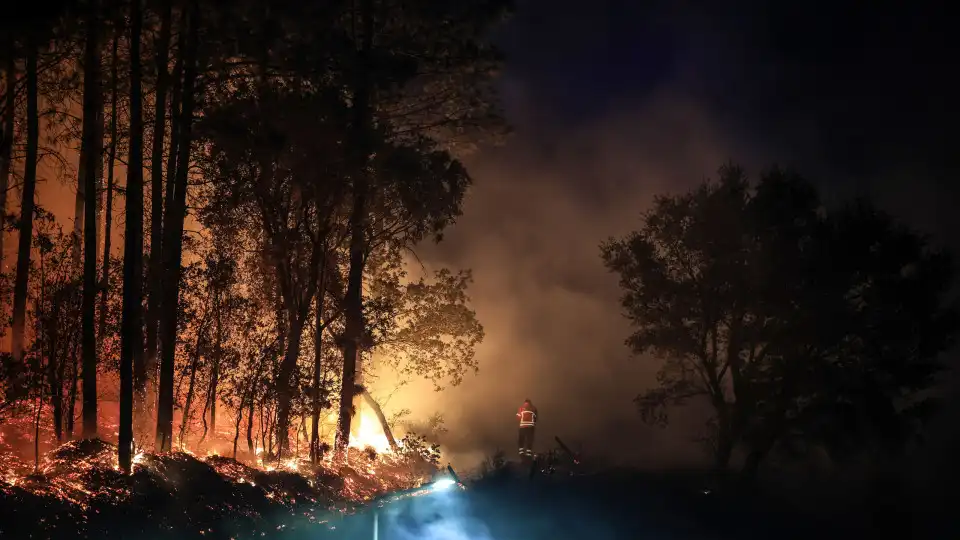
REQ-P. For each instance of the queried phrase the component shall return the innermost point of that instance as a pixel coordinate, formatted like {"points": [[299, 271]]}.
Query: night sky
{"points": [[613, 101]]}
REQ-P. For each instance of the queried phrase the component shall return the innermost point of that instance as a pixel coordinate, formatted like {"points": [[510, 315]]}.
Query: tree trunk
{"points": [[236, 428], [215, 366], [54, 373], [26, 204], [284, 379], [173, 239], [264, 428], [188, 401], [317, 367], [131, 333], [156, 202], [58, 395], [78, 205], [92, 147], [249, 398], [203, 416], [353, 309], [176, 98], [108, 203], [214, 381], [725, 439], [387, 432], [74, 382], [6, 141], [250, 407], [36, 427]]}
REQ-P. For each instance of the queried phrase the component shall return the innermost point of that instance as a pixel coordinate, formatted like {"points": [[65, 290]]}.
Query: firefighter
{"points": [[527, 414]]}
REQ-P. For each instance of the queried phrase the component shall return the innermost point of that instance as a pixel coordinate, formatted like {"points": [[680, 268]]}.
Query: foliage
{"points": [[790, 318], [425, 328]]}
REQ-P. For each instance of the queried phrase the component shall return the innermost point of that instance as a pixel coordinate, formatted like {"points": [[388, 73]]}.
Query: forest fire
{"points": [[81, 485], [169, 351], [83, 479], [373, 465], [369, 434]]}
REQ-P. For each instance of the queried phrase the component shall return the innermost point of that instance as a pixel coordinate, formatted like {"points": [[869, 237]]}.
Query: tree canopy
{"points": [[800, 323]]}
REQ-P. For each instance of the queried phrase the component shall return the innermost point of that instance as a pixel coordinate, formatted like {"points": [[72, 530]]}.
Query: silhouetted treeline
{"points": [[804, 326]]}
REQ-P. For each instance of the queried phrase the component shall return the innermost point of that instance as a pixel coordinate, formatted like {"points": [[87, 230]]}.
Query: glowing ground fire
{"points": [[368, 433]]}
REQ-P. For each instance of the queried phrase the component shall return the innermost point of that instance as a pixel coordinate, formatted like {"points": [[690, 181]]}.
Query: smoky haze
{"points": [[612, 104], [530, 232], [578, 170]]}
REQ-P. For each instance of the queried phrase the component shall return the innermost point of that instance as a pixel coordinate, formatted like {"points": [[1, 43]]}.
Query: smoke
{"points": [[574, 173], [603, 123], [554, 332]]}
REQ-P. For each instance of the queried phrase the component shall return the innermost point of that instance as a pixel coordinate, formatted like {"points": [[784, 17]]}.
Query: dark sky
{"points": [[613, 101]]}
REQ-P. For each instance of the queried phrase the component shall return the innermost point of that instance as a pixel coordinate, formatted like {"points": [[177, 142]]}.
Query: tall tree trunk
{"points": [[58, 361], [317, 366], [176, 98], [214, 381], [131, 333], [250, 409], [6, 141], [26, 204], [156, 200], [58, 394], [188, 401], [284, 379], [74, 382], [264, 422], [236, 429], [78, 205], [353, 309], [53, 371], [203, 415], [215, 365], [250, 396], [92, 147], [173, 238], [108, 203], [98, 207], [36, 425]]}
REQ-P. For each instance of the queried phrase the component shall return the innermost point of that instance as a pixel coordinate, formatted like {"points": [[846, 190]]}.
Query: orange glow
{"points": [[367, 432]]}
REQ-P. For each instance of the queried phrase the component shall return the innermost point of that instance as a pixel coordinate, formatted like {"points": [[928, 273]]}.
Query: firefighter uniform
{"points": [[527, 414]]}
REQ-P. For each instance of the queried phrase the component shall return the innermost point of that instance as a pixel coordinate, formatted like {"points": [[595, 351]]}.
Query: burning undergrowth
{"points": [[78, 491]]}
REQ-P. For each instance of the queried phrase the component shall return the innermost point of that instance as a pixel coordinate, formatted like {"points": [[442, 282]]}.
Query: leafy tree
{"points": [[270, 182], [789, 318]]}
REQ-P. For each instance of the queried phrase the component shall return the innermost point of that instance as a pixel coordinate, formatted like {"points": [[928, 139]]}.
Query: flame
{"points": [[368, 433]]}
